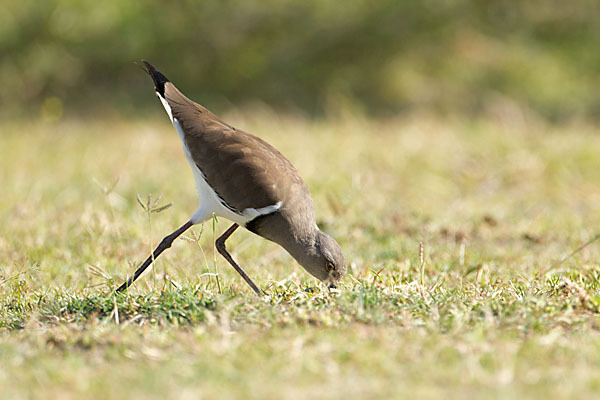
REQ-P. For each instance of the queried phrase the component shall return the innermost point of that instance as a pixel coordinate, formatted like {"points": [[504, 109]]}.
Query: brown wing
{"points": [[243, 169]]}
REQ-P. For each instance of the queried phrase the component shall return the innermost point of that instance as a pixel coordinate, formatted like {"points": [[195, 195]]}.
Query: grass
{"points": [[495, 303]]}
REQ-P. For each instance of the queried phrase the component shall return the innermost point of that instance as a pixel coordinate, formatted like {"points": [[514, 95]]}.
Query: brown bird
{"points": [[244, 179]]}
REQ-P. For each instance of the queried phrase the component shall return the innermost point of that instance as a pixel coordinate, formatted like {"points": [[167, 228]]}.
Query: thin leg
{"points": [[221, 247], [165, 244]]}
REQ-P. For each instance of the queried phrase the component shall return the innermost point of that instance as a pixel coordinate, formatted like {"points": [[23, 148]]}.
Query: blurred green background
{"points": [[75, 57]]}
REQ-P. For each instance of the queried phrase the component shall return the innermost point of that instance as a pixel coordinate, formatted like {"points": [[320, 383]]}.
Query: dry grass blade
{"points": [[162, 208], [12, 277], [577, 250], [141, 203]]}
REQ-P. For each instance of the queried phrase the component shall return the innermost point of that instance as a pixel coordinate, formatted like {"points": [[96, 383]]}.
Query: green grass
{"points": [[497, 203]]}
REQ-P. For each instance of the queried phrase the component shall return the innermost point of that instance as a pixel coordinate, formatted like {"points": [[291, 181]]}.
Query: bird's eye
{"points": [[330, 266]]}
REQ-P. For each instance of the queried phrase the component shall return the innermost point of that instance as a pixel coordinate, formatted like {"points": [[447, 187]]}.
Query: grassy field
{"points": [[500, 306]]}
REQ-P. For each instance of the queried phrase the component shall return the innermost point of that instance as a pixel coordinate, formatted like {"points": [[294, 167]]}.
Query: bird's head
{"points": [[327, 262]]}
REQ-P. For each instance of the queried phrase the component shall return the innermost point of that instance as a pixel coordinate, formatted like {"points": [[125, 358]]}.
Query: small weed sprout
{"points": [[215, 221], [195, 238], [96, 270], [152, 207], [422, 262]]}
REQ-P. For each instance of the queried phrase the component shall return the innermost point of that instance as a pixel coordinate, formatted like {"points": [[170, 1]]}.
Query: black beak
{"points": [[332, 286]]}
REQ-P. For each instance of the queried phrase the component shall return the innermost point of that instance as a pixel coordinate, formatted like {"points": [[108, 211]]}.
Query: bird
{"points": [[242, 178]]}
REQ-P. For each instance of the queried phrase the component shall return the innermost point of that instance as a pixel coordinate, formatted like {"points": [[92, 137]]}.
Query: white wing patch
{"points": [[252, 213], [210, 203]]}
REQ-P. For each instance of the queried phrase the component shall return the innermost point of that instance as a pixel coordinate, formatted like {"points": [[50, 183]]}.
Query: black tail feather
{"points": [[158, 78]]}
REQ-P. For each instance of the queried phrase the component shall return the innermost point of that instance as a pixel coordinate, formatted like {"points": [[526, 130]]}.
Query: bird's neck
{"points": [[304, 248]]}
